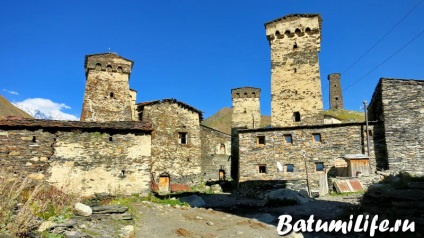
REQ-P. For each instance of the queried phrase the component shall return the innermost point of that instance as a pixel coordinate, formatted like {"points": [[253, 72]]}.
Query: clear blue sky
{"points": [[197, 51]]}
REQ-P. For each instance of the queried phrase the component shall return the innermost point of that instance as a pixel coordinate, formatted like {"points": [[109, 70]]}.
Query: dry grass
{"points": [[25, 202]]}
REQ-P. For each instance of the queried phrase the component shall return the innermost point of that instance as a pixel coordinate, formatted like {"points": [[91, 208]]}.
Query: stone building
{"points": [[80, 157], [399, 105], [176, 141], [107, 94], [336, 96], [295, 78]]}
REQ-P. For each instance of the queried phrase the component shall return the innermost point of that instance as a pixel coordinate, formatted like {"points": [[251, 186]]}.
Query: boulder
{"points": [[194, 201], [83, 210], [285, 196]]}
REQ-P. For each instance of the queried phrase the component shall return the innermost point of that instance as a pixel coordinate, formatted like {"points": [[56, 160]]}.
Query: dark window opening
{"points": [[253, 94], [111, 95], [109, 68], [182, 137], [369, 132], [296, 116], [319, 167], [237, 95], [245, 94], [34, 139], [98, 67], [308, 30], [188, 159], [110, 138], [289, 168], [245, 111], [288, 139], [260, 140], [295, 46], [277, 33], [316, 137], [262, 168], [119, 69], [337, 98], [335, 85], [122, 173], [295, 70], [287, 33], [297, 31]]}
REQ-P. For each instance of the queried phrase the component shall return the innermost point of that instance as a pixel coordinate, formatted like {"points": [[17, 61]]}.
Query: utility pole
{"points": [[306, 171], [366, 127]]}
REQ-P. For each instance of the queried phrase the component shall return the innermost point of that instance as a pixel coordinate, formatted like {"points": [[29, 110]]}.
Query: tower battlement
{"points": [[110, 62], [246, 92]]}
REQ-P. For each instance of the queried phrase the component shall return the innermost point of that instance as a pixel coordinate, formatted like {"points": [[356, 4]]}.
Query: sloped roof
{"points": [[172, 100]]}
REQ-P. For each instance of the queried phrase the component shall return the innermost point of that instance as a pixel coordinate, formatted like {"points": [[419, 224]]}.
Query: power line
{"points": [[384, 61], [382, 38]]}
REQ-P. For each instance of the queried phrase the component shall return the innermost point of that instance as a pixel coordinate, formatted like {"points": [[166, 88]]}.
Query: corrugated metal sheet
{"points": [[348, 186]]}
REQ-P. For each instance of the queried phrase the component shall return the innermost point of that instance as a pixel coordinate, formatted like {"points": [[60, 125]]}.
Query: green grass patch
{"points": [[345, 115], [334, 194]]}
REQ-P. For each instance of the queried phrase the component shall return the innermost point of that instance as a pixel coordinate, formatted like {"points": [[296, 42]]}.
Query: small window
{"points": [[335, 85], [319, 167], [295, 46], [369, 132], [245, 111], [308, 30], [253, 94], [288, 139], [110, 138], [111, 95], [119, 69], [222, 148], [260, 140], [237, 95], [109, 68], [98, 67], [289, 168], [295, 70], [262, 168], [316, 137], [245, 95], [182, 137], [296, 116], [34, 139], [337, 98]]}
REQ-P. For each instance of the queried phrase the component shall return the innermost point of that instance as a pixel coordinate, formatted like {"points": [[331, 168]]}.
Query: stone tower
{"points": [[246, 108], [107, 94], [336, 96], [295, 78]]}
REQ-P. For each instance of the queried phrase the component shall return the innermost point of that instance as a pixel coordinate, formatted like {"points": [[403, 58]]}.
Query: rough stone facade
{"points": [[399, 104], [216, 153], [318, 145], [336, 96], [82, 157], [176, 141], [246, 108], [107, 94], [296, 97]]}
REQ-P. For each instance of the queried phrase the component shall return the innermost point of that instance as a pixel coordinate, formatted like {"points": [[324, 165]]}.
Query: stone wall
{"points": [[216, 153], [172, 119], [259, 161], [295, 79], [246, 107], [107, 94], [84, 158], [336, 95], [399, 104]]}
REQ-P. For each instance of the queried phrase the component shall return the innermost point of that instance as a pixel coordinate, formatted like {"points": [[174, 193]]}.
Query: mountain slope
{"points": [[222, 120], [8, 109]]}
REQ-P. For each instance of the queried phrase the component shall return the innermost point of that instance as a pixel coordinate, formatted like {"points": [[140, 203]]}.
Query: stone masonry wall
{"points": [[107, 94], [246, 107], [295, 78], [169, 118], [216, 153], [83, 159], [336, 140], [336, 95], [400, 104]]}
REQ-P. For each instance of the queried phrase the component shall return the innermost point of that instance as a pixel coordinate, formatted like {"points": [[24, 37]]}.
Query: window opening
{"points": [[262, 168], [289, 168], [288, 139], [111, 95], [319, 167], [296, 116], [260, 140], [182, 137], [34, 139], [316, 137]]}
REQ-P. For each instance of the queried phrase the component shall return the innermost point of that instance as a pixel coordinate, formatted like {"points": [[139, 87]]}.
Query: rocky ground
{"points": [[221, 215]]}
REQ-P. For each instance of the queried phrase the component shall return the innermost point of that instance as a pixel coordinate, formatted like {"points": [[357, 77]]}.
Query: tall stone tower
{"points": [[246, 108], [107, 94], [336, 96], [295, 78]]}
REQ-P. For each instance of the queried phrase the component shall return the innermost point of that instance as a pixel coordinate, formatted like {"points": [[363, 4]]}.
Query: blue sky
{"points": [[197, 51]]}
